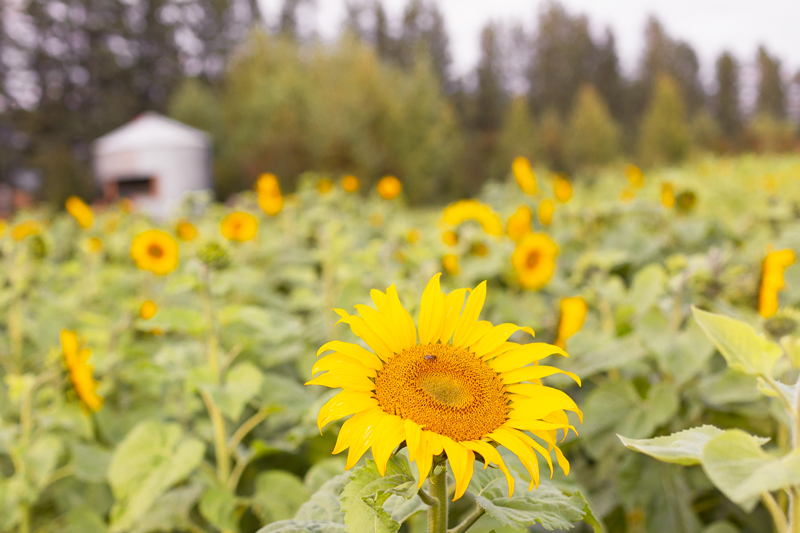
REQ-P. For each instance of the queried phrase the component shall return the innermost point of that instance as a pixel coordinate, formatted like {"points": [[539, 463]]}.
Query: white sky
{"points": [[710, 26]]}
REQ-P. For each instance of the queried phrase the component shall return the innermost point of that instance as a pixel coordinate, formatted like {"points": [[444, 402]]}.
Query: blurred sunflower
{"points": [[450, 264], [686, 201], [534, 260], [94, 245], [463, 210], [635, 176], [156, 251], [148, 310], [450, 238], [667, 195], [350, 183], [3, 227], [772, 271], [479, 249], [324, 185], [627, 195], [25, 229], [546, 210], [457, 391], [80, 211], [267, 183], [80, 371], [239, 226], [389, 187], [573, 314], [523, 173], [562, 189], [185, 230], [519, 223], [413, 236]]}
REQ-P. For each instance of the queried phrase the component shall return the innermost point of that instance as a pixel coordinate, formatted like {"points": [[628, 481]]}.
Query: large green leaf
{"points": [[218, 506], [364, 496], [278, 495], [740, 345], [153, 457], [320, 514], [90, 462], [177, 320], [546, 504], [683, 448], [170, 512], [242, 384]]}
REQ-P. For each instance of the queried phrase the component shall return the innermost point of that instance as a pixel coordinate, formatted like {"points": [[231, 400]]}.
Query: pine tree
{"points": [[727, 108], [592, 135], [607, 78], [664, 136], [771, 95], [384, 44], [490, 97]]}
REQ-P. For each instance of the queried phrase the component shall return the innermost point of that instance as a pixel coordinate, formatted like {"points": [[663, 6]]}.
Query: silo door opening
{"points": [[131, 187]]}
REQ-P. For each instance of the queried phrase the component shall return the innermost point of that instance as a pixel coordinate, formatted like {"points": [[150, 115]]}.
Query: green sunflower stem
{"points": [[437, 488]]}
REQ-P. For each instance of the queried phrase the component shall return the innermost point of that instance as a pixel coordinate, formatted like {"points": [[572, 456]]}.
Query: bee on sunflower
{"points": [[450, 386], [80, 371]]}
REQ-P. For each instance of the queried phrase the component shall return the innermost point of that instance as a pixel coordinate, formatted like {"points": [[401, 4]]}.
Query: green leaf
{"points": [[323, 471], [218, 506], [292, 526], [170, 511], [740, 345], [683, 448], [736, 464], [278, 495], [321, 513], [85, 520], [589, 517], [153, 457], [545, 504], [242, 383], [90, 462], [364, 496], [175, 319], [41, 459]]}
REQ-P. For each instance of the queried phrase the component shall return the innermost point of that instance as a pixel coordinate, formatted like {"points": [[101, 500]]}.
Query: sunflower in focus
{"points": [[463, 210], [350, 183], [573, 315], [562, 189], [80, 211], [389, 187], [534, 260], [519, 223], [772, 282], [80, 371], [156, 251], [545, 213], [185, 230], [450, 384], [667, 195], [523, 173], [239, 226], [25, 229]]}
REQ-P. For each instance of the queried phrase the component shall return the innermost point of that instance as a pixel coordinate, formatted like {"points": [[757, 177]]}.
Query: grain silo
{"points": [[154, 161]]}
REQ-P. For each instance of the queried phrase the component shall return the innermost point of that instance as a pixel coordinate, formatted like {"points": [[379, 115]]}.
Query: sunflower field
{"points": [[195, 374]]}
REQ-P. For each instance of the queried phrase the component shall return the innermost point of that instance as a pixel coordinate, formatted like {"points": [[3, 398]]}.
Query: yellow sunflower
{"points": [[3, 227], [546, 210], [667, 195], [627, 195], [324, 185], [82, 212], [350, 183], [156, 251], [573, 315], [635, 176], [463, 210], [534, 260], [94, 245], [25, 229], [413, 236], [450, 238], [389, 187], [148, 309], [562, 189], [772, 271], [450, 264], [267, 183], [239, 226], [519, 223], [185, 230], [523, 173], [457, 389], [80, 371]]}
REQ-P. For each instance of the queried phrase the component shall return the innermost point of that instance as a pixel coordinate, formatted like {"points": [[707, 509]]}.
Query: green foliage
{"points": [[664, 135], [592, 135]]}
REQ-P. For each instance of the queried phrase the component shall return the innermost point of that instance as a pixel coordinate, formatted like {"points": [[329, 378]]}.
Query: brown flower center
{"points": [[533, 259], [155, 250]]}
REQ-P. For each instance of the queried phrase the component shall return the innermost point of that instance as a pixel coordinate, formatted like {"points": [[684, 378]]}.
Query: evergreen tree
{"points": [[608, 80], [592, 136], [517, 138], [771, 95], [727, 108], [551, 138], [664, 134], [490, 97], [424, 32], [384, 44]]}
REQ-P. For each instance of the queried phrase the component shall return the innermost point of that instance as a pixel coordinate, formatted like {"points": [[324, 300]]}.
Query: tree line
{"points": [[381, 100]]}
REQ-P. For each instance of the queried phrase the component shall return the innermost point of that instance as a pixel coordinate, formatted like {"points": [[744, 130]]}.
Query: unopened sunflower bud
{"points": [[214, 255]]}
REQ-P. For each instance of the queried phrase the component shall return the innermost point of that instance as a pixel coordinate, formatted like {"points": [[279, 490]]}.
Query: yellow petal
{"points": [[366, 358], [525, 355], [529, 373], [503, 348], [342, 363], [363, 435], [413, 438], [496, 337], [334, 380], [482, 327], [461, 461], [360, 328], [453, 303], [343, 404], [491, 455], [401, 318], [469, 318], [381, 326], [510, 439], [539, 448], [430, 312], [347, 432], [379, 299], [526, 424], [424, 461], [562, 461], [541, 399], [388, 435]]}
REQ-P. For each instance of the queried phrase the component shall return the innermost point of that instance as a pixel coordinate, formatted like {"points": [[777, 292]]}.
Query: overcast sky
{"points": [[711, 26]]}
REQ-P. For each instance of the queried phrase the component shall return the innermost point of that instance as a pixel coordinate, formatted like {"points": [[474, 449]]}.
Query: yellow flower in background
{"points": [[156, 251], [25, 229], [463, 210], [148, 309], [450, 264], [769, 182], [324, 185], [479, 249], [80, 211], [519, 223], [534, 260], [185, 230], [562, 189], [667, 195], [627, 195], [573, 315], [271, 204], [457, 390], [267, 184], [389, 187], [94, 245], [546, 210], [450, 238], [772, 270], [523, 173], [3, 227], [80, 371], [239, 226], [350, 183], [635, 176], [413, 236]]}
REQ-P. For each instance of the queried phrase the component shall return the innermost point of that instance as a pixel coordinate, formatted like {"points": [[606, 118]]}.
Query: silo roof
{"points": [[149, 131]]}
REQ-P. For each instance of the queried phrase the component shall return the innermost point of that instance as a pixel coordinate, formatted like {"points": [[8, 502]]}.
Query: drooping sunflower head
{"points": [[76, 359], [534, 260], [463, 210], [82, 212], [772, 279], [389, 187], [573, 314], [185, 230], [239, 226], [524, 175], [156, 251], [450, 383], [350, 183]]}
